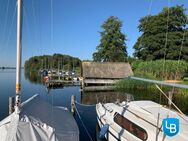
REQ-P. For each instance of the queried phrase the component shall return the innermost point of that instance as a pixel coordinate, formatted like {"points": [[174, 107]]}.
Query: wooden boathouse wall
{"points": [[104, 73]]}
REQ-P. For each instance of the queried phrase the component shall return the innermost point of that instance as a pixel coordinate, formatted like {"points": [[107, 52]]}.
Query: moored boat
{"points": [[139, 121]]}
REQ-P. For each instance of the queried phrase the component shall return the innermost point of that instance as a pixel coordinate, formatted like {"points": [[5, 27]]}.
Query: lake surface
{"points": [[31, 84]]}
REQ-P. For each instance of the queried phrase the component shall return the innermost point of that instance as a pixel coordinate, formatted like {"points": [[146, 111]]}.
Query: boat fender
{"points": [[104, 130]]}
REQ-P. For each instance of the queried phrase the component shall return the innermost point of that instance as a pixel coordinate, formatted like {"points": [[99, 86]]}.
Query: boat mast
{"points": [[19, 55]]}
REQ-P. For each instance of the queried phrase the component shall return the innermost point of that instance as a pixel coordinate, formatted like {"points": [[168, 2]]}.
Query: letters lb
{"points": [[170, 126]]}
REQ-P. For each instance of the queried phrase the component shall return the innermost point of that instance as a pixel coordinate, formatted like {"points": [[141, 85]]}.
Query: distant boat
{"points": [[138, 121], [35, 119]]}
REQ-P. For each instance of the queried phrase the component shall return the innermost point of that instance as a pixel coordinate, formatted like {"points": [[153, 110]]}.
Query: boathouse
{"points": [[104, 73]]}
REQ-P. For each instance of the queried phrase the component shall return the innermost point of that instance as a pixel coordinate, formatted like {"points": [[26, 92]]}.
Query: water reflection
{"points": [[62, 97], [33, 77], [90, 98], [180, 99]]}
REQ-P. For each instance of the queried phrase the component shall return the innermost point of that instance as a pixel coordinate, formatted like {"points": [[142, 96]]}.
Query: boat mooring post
{"points": [[11, 104], [73, 106]]}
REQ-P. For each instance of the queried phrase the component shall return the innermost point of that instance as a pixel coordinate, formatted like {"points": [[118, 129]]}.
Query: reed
{"points": [[125, 84], [160, 69]]}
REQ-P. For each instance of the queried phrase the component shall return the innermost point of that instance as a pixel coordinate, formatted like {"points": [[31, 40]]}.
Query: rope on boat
{"points": [[85, 105], [83, 124], [181, 113]]}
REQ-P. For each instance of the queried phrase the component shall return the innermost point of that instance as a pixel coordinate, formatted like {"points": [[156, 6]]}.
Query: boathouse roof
{"points": [[109, 70]]}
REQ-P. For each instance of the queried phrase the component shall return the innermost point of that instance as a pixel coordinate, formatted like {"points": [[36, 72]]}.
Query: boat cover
{"points": [[39, 121]]}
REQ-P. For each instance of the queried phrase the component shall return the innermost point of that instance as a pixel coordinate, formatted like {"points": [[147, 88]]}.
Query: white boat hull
{"points": [[39, 121], [141, 122]]}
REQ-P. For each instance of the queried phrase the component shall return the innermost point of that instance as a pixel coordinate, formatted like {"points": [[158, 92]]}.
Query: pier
{"points": [[61, 83]]}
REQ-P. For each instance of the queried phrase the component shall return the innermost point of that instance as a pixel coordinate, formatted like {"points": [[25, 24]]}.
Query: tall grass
{"points": [[160, 69], [132, 84]]}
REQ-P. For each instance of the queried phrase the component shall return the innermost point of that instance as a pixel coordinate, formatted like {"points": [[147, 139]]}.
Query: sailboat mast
{"points": [[19, 55]]}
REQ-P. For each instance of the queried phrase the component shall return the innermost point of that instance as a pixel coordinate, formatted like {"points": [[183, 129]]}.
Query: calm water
{"points": [[31, 84], [61, 97]]}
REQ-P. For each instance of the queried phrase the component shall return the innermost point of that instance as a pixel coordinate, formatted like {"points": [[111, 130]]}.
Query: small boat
{"points": [[138, 121]]}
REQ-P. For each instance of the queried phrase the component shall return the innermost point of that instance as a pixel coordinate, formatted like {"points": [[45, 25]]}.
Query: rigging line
{"points": [[35, 21], [83, 124], [9, 33], [166, 38], [26, 20], [39, 15], [180, 53], [149, 12], [5, 23], [180, 112], [38, 27], [165, 46], [182, 42], [51, 23], [51, 45]]}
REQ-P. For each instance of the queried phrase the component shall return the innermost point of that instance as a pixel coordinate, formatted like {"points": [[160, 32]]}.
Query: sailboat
{"points": [[35, 119]]}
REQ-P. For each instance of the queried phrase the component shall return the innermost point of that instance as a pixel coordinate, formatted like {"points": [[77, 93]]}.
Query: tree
{"points": [[160, 41], [55, 61], [112, 47]]}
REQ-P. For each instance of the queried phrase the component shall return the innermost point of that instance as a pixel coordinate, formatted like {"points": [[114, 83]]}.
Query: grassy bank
{"points": [[157, 70], [147, 91]]}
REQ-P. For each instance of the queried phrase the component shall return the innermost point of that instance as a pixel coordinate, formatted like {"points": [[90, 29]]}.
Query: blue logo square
{"points": [[170, 126]]}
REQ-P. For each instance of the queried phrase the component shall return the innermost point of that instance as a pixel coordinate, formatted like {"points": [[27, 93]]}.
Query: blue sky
{"points": [[75, 27]]}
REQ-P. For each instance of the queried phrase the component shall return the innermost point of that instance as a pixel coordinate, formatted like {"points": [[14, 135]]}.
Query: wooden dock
{"points": [[61, 83]]}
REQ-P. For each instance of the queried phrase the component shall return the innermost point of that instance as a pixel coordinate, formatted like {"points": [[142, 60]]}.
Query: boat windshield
{"points": [[130, 127]]}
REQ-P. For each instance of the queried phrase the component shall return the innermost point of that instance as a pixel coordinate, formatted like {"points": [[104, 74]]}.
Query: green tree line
{"points": [[163, 36], [55, 61]]}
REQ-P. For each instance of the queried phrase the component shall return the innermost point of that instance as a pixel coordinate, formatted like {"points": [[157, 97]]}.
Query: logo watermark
{"points": [[170, 126]]}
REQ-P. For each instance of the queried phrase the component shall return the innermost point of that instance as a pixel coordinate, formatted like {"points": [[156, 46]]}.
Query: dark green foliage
{"points": [[55, 61], [152, 45], [112, 47]]}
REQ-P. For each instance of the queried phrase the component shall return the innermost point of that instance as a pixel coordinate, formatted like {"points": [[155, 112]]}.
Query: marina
{"points": [[132, 87], [62, 97]]}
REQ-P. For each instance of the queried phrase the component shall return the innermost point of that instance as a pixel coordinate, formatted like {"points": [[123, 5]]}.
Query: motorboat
{"points": [[138, 121]]}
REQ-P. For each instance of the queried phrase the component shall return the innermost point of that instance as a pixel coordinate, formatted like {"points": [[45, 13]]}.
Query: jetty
{"points": [[61, 83]]}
